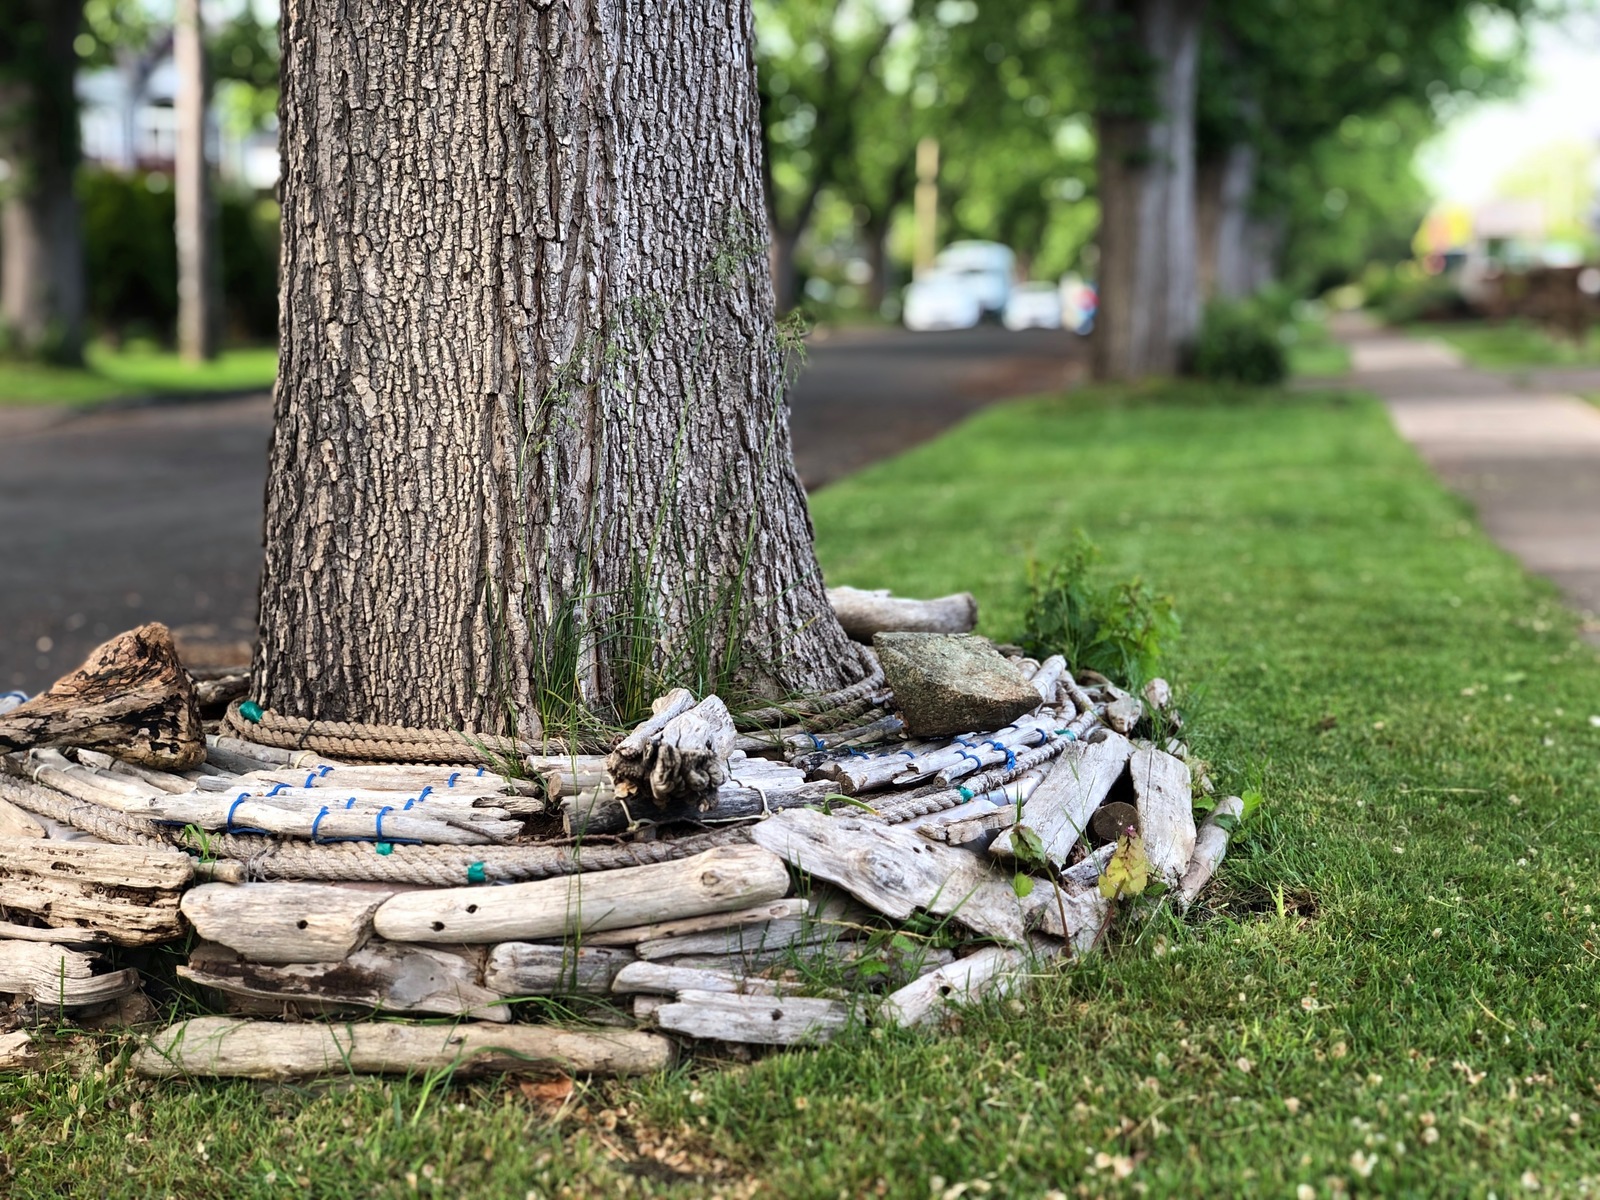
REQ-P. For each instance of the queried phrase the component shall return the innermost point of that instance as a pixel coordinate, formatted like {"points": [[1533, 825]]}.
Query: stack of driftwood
{"points": [[772, 879]]}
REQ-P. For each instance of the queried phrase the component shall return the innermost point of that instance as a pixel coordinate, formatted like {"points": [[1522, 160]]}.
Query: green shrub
{"points": [[1239, 342], [1118, 629], [131, 257]]}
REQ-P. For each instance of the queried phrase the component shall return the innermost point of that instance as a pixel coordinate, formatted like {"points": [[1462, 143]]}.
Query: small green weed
{"points": [[1120, 629]]}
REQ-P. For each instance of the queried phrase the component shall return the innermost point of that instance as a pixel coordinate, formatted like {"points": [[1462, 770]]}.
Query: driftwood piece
{"points": [[527, 969], [61, 937], [1210, 846], [864, 613], [55, 976], [379, 977], [679, 761], [792, 932], [131, 698], [1166, 811], [284, 922], [223, 1046], [1084, 908], [670, 980], [993, 970], [609, 813], [1060, 807], [1111, 820], [775, 910], [17, 1052], [1124, 712], [18, 823], [723, 879], [129, 893], [758, 1020], [896, 871]]}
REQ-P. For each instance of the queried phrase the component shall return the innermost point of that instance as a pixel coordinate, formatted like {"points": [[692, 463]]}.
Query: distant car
{"points": [[940, 301], [1033, 306], [985, 267]]}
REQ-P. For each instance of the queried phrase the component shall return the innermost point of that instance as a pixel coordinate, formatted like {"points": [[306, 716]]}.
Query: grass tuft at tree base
{"points": [[1391, 989]]}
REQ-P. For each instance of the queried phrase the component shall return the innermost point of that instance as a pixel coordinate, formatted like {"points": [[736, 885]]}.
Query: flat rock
{"points": [[947, 684]]}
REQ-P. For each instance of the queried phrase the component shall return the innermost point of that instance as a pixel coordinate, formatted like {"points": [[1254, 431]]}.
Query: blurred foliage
{"points": [[131, 257], [1240, 342]]}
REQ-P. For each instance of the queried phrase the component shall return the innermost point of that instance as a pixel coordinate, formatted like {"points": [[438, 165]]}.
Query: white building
{"points": [[129, 123]]}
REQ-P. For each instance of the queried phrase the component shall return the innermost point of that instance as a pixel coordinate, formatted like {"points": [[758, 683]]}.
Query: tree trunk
{"points": [[785, 273], [41, 269], [876, 235], [1148, 286], [1224, 189], [199, 269], [531, 449]]}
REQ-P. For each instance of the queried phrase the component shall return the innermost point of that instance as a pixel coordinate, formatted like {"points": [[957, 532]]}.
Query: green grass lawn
{"points": [[135, 371], [1391, 991], [1314, 354], [1510, 345]]}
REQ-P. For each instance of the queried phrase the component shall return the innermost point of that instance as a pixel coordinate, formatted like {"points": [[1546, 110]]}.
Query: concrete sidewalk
{"points": [[1527, 458]]}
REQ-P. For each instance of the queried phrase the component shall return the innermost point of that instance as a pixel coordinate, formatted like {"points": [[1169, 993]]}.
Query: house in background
{"points": [[129, 124]]}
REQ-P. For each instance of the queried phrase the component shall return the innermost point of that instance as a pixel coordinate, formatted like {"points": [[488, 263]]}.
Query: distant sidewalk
{"points": [[1526, 456]]}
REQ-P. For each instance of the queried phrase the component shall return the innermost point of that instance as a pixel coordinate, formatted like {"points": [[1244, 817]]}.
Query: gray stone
{"points": [[952, 683]]}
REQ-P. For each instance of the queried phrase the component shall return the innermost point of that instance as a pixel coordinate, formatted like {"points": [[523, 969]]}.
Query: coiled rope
{"points": [[437, 866]]}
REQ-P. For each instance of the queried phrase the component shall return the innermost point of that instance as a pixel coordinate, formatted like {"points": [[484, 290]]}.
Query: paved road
{"points": [[112, 519], [1520, 446]]}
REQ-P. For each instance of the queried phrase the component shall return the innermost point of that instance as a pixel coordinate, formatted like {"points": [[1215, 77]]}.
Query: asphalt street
{"points": [[114, 518]]}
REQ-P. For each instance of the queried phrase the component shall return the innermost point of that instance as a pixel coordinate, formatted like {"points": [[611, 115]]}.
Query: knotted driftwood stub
{"points": [[131, 698]]}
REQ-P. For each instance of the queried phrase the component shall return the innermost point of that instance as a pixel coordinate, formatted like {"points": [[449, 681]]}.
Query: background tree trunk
{"points": [[1148, 284], [41, 269], [531, 446], [199, 268], [1224, 189]]}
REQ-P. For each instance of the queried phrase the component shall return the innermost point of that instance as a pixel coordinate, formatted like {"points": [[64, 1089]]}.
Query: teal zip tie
{"points": [[385, 847], [251, 711], [476, 873]]}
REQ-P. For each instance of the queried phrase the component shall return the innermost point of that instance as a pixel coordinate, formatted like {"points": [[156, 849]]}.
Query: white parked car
{"points": [[940, 301], [986, 268], [1033, 306]]}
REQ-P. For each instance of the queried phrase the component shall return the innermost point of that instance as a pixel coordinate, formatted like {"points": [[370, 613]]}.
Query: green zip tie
{"points": [[476, 873], [251, 711], [385, 847], [966, 793]]}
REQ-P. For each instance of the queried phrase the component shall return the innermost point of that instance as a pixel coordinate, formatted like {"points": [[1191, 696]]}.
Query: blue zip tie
{"points": [[1043, 736], [973, 757], [1011, 761], [318, 822], [454, 775], [961, 741], [410, 800], [481, 771], [230, 827], [350, 803], [277, 788], [423, 794], [908, 753], [854, 753], [324, 769], [378, 824], [816, 742], [311, 780]]}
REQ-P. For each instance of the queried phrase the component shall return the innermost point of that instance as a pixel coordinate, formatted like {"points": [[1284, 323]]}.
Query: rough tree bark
{"points": [[41, 269], [530, 419], [199, 268], [1148, 286]]}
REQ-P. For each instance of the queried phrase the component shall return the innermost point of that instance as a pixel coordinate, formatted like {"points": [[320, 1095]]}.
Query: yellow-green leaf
{"points": [[1128, 870]]}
